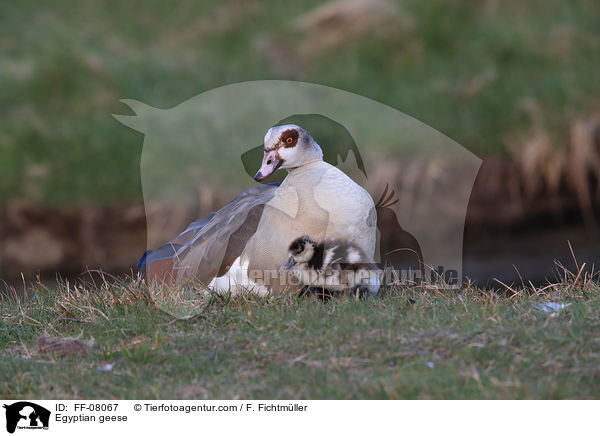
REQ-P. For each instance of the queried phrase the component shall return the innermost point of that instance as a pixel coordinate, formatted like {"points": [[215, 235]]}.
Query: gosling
{"points": [[333, 265]]}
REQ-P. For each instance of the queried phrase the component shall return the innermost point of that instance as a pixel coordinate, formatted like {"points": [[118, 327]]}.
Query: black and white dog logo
{"points": [[26, 415]]}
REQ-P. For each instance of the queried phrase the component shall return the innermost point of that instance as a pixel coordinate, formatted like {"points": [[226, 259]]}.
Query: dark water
{"points": [[529, 255]]}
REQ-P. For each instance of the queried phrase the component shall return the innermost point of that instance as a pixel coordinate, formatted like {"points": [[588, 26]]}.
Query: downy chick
{"points": [[333, 265]]}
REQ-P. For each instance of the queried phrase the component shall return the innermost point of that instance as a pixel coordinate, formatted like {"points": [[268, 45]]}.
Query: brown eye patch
{"points": [[289, 138]]}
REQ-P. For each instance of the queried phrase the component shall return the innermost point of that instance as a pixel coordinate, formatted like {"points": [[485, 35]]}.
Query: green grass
{"points": [[466, 69], [482, 345]]}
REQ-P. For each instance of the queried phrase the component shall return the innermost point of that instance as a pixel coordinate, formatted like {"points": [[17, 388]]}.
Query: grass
{"points": [[408, 343], [484, 74]]}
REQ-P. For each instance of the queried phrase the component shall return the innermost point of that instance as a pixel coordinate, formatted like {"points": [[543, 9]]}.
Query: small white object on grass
{"points": [[430, 364], [106, 367], [551, 307]]}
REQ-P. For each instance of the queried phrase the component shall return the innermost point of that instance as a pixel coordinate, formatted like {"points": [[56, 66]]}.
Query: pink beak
{"points": [[271, 162]]}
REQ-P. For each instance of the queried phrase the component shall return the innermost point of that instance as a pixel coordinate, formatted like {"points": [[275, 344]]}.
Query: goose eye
{"points": [[289, 140]]}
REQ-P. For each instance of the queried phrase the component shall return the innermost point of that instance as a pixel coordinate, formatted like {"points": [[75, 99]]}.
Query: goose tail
{"points": [[386, 199]]}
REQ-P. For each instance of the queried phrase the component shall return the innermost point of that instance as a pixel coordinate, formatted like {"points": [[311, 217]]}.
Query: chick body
{"points": [[333, 265]]}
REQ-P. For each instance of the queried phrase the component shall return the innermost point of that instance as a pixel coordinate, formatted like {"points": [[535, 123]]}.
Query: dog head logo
{"points": [[26, 415]]}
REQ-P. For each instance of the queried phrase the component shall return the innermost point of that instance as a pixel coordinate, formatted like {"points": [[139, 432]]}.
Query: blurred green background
{"points": [[484, 73]]}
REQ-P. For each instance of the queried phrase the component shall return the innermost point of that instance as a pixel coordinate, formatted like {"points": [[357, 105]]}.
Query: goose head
{"points": [[301, 250], [288, 146]]}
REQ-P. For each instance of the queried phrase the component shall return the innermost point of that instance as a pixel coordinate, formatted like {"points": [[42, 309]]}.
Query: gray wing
{"points": [[208, 246]]}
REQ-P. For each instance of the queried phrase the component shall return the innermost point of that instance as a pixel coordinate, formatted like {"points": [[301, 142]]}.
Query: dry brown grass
{"points": [[545, 170], [87, 301], [62, 347]]}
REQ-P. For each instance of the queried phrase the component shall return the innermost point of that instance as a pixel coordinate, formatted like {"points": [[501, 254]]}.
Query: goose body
{"points": [[333, 265], [245, 244]]}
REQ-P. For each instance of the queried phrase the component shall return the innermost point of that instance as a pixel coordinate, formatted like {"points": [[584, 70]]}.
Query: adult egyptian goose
{"points": [[245, 244], [333, 265]]}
